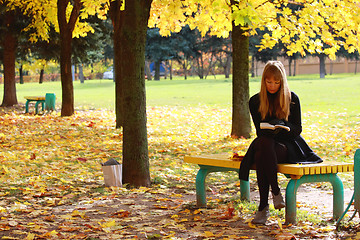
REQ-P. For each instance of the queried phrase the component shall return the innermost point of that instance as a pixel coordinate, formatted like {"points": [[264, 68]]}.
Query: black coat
{"points": [[297, 149]]}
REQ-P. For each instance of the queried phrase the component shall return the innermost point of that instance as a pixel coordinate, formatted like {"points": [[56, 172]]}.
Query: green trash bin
{"points": [[50, 101]]}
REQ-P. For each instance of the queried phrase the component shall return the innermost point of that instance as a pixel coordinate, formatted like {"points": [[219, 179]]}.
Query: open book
{"points": [[265, 125]]}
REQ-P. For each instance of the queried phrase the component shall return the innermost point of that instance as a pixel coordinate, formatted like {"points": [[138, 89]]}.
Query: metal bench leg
{"points": [[27, 106], [338, 197], [290, 201], [36, 107], [245, 190], [291, 189], [200, 187]]}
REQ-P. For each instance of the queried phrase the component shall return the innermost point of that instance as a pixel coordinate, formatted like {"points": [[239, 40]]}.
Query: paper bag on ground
{"points": [[112, 171]]}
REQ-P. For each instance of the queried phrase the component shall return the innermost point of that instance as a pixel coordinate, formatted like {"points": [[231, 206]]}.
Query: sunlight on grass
{"points": [[338, 93]]}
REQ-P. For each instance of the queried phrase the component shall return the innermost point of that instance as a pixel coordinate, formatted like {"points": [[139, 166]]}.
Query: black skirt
{"points": [[298, 152]]}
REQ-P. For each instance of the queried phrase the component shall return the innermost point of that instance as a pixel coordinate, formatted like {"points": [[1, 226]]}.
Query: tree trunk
{"points": [[21, 74], [241, 126], [41, 78], [9, 52], [66, 28], [157, 70], [170, 70], [290, 62], [81, 73], [147, 71], [228, 65], [253, 66], [67, 108], [200, 67], [185, 69], [322, 65], [132, 35], [117, 25]]}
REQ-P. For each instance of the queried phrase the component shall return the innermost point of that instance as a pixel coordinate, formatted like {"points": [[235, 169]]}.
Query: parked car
{"points": [[109, 74], [163, 69]]}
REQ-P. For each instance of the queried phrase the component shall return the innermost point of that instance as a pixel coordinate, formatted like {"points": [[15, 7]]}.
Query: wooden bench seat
{"points": [[299, 174]]}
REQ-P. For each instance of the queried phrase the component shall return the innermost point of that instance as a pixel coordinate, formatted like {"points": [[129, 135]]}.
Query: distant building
{"points": [[310, 65]]}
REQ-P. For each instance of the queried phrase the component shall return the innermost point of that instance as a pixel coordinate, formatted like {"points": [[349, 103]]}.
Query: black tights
{"points": [[268, 153]]}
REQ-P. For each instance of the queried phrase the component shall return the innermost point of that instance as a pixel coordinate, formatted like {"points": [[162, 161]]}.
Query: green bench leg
{"points": [[200, 182], [291, 189], [245, 190], [27, 106], [36, 105], [200, 187], [357, 180]]}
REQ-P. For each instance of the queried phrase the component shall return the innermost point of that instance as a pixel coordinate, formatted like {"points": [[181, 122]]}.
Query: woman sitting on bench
{"points": [[274, 105]]}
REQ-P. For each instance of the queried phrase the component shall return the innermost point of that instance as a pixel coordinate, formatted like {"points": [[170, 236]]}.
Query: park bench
{"points": [[298, 174], [47, 102]]}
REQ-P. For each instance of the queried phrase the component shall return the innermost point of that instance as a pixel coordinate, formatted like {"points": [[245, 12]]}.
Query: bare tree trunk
{"points": [[290, 61], [228, 65], [21, 74], [41, 78], [170, 69], [253, 66], [322, 65], [9, 52], [117, 22], [241, 126], [157, 70], [81, 74], [66, 28], [132, 23], [147, 71]]}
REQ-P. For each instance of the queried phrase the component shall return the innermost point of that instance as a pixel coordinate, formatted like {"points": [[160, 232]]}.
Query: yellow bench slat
{"points": [[218, 160], [34, 98], [223, 160]]}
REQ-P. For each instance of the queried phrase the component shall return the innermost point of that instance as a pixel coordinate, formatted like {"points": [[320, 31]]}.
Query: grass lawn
{"points": [[339, 93]]}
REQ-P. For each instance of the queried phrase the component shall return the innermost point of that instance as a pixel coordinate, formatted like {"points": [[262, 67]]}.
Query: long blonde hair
{"points": [[281, 106]]}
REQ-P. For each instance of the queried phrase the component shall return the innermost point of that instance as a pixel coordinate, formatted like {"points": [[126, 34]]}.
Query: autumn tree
{"points": [[306, 21], [11, 24], [67, 17], [130, 26], [66, 26], [159, 49], [9, 43]]}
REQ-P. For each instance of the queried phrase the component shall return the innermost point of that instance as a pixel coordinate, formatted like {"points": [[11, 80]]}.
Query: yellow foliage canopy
{"points": [[321, 26], [44, 14]]}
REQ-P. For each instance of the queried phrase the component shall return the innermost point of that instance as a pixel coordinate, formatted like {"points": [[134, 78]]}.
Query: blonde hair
{"points": [[280, 108]]}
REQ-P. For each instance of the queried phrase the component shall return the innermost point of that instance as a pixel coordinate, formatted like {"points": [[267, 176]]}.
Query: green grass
{"points": [[339, 93]]}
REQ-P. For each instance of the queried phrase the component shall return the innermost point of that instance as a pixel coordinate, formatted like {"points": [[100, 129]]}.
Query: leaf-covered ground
{"points": [[52, 184]]}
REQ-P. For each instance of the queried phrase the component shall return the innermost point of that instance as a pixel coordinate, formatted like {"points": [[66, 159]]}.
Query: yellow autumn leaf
{"points": [[279, 223], [251, 225], [108, 224], [208, 234], [5, 169], [30, 236]]}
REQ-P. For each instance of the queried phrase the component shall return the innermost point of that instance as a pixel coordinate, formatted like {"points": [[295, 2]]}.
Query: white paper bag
{"points": [[112, 175]]}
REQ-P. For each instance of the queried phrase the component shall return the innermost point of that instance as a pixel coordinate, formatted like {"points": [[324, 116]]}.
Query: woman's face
{"points": [[272, 85]]}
